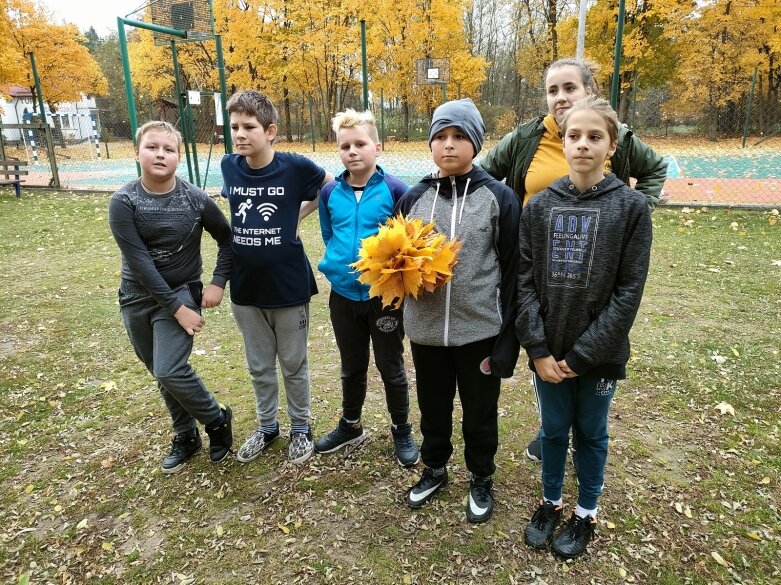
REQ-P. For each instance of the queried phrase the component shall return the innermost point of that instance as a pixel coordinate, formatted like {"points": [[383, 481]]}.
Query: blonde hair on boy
{"points": [[600, 107], [159, 126], [350, 119]]}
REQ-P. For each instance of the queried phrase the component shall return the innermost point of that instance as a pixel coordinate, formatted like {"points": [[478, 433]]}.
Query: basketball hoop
{"points": [[192, 16], [432, 71]]}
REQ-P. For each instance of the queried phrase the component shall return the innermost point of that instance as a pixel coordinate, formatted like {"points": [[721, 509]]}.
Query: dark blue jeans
{"points": [[164, 348], [580, 403]]}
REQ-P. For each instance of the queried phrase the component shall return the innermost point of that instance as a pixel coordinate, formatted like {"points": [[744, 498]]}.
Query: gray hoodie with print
{"points": [[480, 300], [583, 264]]}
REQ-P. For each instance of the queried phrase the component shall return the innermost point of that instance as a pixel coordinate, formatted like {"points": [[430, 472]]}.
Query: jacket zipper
{"points": [[452, 235]]}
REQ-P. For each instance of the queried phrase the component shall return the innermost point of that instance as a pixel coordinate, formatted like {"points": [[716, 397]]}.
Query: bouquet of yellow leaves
{"points": [[404, 257]]}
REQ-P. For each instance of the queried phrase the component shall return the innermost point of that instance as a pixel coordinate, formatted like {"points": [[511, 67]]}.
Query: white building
{"points": [[73, 118]]}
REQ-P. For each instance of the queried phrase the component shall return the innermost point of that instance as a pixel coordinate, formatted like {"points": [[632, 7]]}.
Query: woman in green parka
{"points": [[531, 157]]}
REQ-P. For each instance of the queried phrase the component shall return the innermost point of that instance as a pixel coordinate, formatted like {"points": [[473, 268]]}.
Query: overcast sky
{"points": [[102, 14]]}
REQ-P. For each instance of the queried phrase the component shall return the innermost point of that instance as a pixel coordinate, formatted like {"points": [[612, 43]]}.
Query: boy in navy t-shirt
{"points": [[271, 280]]}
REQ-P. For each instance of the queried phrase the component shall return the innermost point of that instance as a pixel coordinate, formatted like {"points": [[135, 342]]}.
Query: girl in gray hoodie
{"points": [[585, 244]]}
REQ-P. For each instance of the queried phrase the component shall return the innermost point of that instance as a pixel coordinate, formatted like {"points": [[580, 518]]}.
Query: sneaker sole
{"points": [[356, 441], [535, 546], [408, 465], [303, 459], [223, 458], [241, 459], [533, 457], [172, 470]]}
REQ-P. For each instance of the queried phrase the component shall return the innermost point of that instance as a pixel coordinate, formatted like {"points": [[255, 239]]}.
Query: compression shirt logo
{"points": [[572, 234]]}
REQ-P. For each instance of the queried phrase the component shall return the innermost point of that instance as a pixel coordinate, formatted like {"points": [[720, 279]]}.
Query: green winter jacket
{"points": [[510, 159]]}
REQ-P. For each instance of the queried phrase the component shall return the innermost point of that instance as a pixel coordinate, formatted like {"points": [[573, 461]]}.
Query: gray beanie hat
{"points": [[461, 114]]}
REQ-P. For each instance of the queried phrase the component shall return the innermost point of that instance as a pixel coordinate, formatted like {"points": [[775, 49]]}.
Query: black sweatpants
{"points": [[439, 371], [355, 323]]}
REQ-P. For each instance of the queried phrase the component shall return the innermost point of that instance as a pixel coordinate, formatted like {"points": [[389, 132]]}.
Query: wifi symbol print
{"points": [[266, 210]]}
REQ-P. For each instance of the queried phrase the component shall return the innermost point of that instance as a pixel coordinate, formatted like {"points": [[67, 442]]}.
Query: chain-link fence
{"points": [[719, 155]]}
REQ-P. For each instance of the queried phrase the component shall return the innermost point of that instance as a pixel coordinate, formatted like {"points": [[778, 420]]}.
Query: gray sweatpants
{"points": [[271, 334], [164, 347]]}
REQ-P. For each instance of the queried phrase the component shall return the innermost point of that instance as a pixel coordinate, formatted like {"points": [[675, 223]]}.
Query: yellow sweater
{"points": [[548, 163]]}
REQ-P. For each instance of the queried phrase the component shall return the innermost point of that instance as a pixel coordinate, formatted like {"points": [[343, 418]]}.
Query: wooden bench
{"points": [[13, 168]]}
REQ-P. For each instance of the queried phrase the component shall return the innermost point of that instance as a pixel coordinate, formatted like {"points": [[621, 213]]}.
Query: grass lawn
{"points": [[692, 488]]}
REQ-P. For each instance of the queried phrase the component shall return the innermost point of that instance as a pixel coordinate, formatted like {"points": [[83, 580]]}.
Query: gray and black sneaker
{"points": [[343, 435], [256, 444], [183, 447], [301, 447], [539, 531], [534, 449], [429, 484], [480, 503], [407, 452], [221, 436]]}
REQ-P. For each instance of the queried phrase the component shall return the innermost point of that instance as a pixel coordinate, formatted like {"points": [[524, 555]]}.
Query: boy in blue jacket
{"points": [[352, 207]]}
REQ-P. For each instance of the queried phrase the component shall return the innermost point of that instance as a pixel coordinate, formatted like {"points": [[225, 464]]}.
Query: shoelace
{"points": [[577, 526], [542, 515]]}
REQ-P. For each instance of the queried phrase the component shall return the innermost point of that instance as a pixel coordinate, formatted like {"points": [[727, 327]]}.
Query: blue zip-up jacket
{"points": [[344, 222]]}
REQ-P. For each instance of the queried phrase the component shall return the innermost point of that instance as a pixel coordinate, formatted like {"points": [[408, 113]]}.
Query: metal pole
{"points": [[364, 68], [226, 134], [617, 55], [194, 138], [154, 27], [581, 29], [382, 117], [131, 100], [37, 82], [311, 123], [748, 111], [181, 107]]}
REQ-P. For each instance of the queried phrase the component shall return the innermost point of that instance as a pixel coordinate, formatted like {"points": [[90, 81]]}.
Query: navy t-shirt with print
{"points": [[270, 268]]}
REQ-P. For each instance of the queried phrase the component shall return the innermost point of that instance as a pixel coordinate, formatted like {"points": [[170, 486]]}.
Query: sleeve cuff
{"points": [[576, 363]]}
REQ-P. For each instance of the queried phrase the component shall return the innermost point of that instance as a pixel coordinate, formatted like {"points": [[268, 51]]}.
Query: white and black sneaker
{"points": [[480, 503], [428, 485], [256, 444], [301, 447]]}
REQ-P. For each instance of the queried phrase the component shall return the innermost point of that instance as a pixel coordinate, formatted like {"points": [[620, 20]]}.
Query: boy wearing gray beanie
{"points": [[462, 335]]}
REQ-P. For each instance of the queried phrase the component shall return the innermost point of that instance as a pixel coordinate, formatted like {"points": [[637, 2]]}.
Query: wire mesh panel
{"points": [[192, 16]]}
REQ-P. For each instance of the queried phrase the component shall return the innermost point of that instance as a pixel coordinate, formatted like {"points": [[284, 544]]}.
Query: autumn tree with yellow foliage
{"points": [[65, 67], [297, 51]]}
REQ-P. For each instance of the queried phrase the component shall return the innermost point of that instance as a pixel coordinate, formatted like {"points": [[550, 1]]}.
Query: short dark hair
{"points": [[253, 103]]}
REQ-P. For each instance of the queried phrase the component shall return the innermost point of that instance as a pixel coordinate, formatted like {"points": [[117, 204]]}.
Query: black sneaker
{"points": [[407, 452], [540, 529], [183, 447], [480, 504], [534, 449], [428, 485], [221, 436], [572, 540], [343, 435]]}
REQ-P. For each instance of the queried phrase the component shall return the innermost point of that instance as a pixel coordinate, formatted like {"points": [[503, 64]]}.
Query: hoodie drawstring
{"points": [[463, 200], [434, 205]]}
